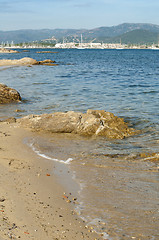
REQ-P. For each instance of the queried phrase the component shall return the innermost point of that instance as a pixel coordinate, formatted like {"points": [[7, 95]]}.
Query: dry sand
{"points": [[32, 202]]}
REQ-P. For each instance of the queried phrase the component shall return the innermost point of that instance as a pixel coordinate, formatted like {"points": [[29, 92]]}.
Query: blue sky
{"points": [[38, 14]]}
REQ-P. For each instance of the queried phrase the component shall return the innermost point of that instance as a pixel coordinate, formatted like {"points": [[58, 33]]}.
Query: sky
{"points": [[88, 14]]}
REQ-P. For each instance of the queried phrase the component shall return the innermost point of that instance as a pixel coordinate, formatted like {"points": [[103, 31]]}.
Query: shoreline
{"points": [[32, 201], [77, 48]]}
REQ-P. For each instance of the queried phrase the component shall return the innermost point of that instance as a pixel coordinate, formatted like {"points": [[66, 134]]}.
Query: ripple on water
{"points": [[119, 186]]}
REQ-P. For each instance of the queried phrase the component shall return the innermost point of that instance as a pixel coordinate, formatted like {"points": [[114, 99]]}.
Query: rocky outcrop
{"points": [[5, 50], [92, 123], [26, 61], [8, 95]]}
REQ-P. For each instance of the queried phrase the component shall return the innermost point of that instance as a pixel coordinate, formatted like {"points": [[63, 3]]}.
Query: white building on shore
{"points": [[90, 45]]}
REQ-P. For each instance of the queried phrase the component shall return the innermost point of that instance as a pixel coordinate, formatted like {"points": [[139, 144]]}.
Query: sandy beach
{"points": [[33, 204]]}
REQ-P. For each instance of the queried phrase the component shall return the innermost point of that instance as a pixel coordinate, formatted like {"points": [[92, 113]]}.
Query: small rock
{"points": [[2, 199], [4, 50], [26, 61], [19, 110], [8, 95]]}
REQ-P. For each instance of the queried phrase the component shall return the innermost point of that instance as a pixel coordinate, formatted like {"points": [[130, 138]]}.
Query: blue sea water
{"points": [[122, 81], [125, 82]]}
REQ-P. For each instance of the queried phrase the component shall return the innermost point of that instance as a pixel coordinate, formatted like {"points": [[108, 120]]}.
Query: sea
{"points": [[115, 182]]}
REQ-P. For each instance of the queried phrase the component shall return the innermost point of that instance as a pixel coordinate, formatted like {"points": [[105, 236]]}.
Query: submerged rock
{"points": [[46, 62], [26, 61], [92, 123], [8, 95], [46, 52]]}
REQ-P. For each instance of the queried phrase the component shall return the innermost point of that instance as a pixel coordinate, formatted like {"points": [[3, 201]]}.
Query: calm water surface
{"points": [[119, 190]]}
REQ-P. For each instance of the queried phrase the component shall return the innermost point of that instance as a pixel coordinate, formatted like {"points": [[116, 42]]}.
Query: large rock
{"points": [[8, 95], [22, 61], [94, 122], [26, 61]]}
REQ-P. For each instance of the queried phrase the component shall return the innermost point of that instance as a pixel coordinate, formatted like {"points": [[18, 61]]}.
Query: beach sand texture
{"points": [[32, 202]]}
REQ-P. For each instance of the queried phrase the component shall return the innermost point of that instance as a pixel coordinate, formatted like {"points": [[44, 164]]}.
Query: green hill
{"points": [[129, 33], [138, 36]]}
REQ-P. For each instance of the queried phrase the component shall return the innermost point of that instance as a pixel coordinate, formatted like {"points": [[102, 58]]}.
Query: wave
{"points": [[49, 158]]}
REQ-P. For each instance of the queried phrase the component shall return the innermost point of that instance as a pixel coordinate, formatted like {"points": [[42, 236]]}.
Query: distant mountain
{"points": [[138, 36], [124, 28], [25, 35], [127, 32]]}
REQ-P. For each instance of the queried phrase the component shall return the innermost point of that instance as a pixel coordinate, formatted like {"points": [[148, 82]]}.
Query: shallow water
{"points": [[118, 193], [119, 189]]}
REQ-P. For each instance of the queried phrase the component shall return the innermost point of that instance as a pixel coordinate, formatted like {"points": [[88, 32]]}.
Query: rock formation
{"points": [[92, 123], [26, 61], [4, 50], [8, 95]]}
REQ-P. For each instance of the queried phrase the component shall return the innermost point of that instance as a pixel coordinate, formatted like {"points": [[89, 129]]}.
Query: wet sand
{"points": [[33, 204], [121, 188]]}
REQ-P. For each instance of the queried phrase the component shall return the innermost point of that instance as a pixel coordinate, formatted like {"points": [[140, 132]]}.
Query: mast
{"points": [[81, 39]]}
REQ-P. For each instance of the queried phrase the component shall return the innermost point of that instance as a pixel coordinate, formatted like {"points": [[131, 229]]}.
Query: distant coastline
{"points": [[129, 34], [122, 36], [71, 45]]}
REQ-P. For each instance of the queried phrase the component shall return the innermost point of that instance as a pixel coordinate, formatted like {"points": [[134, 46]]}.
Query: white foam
{"points": [[49, 158]]}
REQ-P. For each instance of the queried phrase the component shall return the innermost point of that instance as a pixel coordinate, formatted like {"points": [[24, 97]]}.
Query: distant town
{"points": [[50, 43], [104, 46], [72, 45], [122, 36]]}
